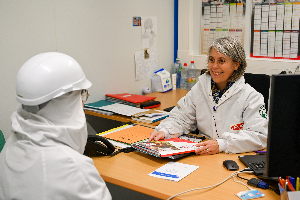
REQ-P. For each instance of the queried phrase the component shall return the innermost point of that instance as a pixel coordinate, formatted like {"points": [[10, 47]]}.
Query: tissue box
{"points": [[163, 83]]}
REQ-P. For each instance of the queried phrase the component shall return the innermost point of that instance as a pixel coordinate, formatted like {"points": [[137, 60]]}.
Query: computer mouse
{"points": [[230, 165]]}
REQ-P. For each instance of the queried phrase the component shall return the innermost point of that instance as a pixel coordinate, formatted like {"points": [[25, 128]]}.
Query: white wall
{"points": [[189, 41], [97, 33]]}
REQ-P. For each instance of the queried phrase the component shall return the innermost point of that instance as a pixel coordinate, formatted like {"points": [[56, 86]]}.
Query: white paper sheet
{"points": [[226, 17], [256, 44], [173, 171], [213, 17], [233, 17], [278, 44], [264, 43], [123, 109], [145, 68], [271, 43], [286, 44], [239, 15], [294, 44]]}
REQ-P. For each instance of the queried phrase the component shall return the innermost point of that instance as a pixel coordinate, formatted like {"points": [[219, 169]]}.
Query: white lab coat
{"points": [[238, 122], [43, 157]]}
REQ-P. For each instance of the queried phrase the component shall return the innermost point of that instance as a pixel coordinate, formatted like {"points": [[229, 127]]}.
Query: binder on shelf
{"points": [[98, 104], [132, 99], [97, 107]]}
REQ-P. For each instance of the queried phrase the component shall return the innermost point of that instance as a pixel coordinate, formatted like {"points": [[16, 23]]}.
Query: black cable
{"points": [[277, 191], [259, 183], [242, 177], [125, 150]]}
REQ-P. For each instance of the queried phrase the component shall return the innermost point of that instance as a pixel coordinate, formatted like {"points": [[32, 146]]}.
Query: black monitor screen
{"points": [[283, 149]]}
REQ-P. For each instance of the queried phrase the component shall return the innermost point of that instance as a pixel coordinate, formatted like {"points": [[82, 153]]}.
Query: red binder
{"points": [[133, 98]]}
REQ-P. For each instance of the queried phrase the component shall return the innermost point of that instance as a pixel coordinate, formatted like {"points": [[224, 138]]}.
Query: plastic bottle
{"points": [[192, 74], [175, 67], [184, 77], [178, 67]]}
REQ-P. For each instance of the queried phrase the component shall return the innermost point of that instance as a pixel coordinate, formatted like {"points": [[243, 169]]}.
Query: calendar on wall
{"points": [[275, 29], [222, 18]]}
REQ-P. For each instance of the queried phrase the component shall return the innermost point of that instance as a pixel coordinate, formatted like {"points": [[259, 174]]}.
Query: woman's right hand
{"points": [[156, 136]]}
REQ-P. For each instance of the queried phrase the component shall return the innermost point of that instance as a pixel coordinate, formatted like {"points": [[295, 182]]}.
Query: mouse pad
{"points": [[130, 134]]}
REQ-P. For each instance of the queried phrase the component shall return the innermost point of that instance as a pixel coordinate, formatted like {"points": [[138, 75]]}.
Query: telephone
{"points": [[98, 146]]}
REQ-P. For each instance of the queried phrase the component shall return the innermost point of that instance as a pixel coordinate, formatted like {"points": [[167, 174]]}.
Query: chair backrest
{"points": [[261, 83], [2, 140]]}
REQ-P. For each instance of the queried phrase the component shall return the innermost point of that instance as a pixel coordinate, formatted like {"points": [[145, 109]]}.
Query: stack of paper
{"points": [[150, 116], [108, 108], [123, 109], [128, 134]]}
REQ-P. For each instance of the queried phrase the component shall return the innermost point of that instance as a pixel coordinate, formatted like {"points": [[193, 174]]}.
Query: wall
{"points": [[189, 15], [97, 33]]}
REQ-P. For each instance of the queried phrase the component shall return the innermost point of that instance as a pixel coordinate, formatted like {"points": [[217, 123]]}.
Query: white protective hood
{"points": [[61, 122], [40, 159]]}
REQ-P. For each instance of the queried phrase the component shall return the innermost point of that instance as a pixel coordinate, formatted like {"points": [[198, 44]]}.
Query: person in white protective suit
{"points": [[43, 158], [221, 105]]}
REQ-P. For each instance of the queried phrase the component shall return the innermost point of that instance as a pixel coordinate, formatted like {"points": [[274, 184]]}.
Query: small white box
{"points": [[165, 81]]}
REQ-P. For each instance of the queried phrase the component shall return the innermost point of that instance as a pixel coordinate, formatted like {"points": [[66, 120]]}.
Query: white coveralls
{"points": [[43, 157], [238, 122]]}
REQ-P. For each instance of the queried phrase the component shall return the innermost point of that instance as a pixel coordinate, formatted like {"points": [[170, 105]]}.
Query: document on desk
{"points": [[129, 134], [173, 171]]}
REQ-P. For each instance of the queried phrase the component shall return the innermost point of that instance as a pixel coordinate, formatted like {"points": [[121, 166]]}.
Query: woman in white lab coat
{"points": [[43, 158], [221, 105]]}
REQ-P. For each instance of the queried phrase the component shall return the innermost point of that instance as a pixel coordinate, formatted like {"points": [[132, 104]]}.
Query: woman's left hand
{"points": [[207, 147]]}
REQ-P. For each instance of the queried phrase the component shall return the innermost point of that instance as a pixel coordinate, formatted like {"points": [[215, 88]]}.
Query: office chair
{"points": [[261, 83], [2, 140]]}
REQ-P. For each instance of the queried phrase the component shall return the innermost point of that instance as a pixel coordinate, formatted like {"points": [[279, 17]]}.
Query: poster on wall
{"points": [[220, 19], [149, 32], [275, 29], [146, 61]]}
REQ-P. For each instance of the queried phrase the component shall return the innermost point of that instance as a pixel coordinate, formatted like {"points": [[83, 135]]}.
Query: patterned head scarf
{"points": [[233, 49]]}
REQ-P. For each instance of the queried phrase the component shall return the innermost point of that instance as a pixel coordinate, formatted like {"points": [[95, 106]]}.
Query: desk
{"points": [[131, 170], [168, 99]]}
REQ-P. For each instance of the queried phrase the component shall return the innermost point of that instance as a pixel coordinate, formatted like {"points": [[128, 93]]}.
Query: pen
{"points": [[290, 186], [260, 152], [293, 181], [297, 184], [281, 182]]}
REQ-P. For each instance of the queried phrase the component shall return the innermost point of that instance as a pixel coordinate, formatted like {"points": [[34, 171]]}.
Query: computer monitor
{"points": [[283, 148]]}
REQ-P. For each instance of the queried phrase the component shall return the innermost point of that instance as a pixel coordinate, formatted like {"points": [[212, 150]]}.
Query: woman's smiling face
{"points": [[221, 68]]}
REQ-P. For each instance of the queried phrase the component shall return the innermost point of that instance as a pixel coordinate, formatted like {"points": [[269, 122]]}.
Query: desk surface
{"points": [[130, 170]]}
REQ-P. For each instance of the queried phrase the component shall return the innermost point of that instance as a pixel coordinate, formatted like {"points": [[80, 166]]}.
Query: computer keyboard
{"points": [[257, 167]]}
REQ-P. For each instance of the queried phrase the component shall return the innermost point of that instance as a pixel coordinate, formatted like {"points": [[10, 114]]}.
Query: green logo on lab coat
{"points": [[263, 111]]}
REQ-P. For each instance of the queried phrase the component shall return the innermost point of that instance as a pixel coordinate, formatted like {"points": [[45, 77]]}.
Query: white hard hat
{"points": [[47, 76]]}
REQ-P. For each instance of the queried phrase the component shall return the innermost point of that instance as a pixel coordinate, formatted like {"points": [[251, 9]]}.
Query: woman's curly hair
{"points": [[233, 49]]}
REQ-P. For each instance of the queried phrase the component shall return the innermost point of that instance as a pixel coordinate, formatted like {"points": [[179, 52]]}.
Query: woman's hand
{"points": [[156, 136], [207, 147]]}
